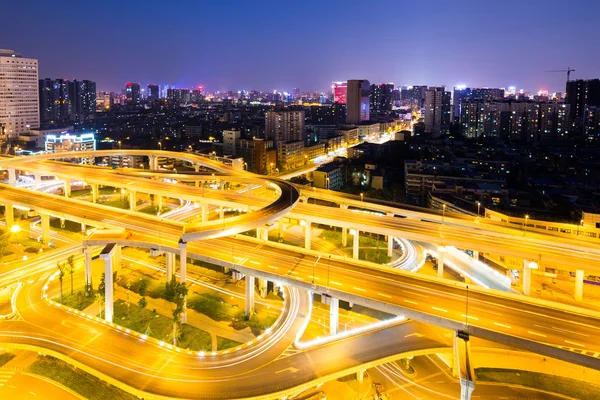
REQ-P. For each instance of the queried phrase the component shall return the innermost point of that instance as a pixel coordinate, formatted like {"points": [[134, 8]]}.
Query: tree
{"points": [[3, 247], [143, 288], [61, 274], [142, 303], [71, 269]]}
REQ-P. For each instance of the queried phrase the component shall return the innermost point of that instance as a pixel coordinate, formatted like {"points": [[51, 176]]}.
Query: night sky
{"points": [[266, 45]]}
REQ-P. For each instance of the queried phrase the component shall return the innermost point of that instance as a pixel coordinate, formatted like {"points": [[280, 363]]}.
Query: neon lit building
{"points": [[339, 92], [69, 142]]}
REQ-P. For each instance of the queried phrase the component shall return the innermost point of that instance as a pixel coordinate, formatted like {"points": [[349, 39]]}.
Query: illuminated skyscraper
{"points": [[132, 93], [152, 92], [54, 99], [381, 100], [339, 92], [357, 101], [19, 94], [437, 110]]}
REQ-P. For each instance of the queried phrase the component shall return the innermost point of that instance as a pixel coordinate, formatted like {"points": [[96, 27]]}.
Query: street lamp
{"points": [[478, 207], [327, 182], [580, 224], [119, 145], [15, 228], [525, 227], [443, 213], [160, 145]]}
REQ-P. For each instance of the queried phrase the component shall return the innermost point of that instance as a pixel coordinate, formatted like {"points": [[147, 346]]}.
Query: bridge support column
{"points": [[249, 308], [344, 237], [221, 184], [183, 275], [360, 376], [94, 187], [9, 214], [249, 187], [466, 389], [280, 227], [441, 253], [526, 280], [45, 228], [221, 212], [38, 178], [334, 316], [170, 262], [107, 255], [307, 235], [67, 188], [132, 200], [263, 286], [204, 212], [355, 237], [153, 163], [390, 243], [197, 168], [579, 284], [12, 176], [87, 255]]}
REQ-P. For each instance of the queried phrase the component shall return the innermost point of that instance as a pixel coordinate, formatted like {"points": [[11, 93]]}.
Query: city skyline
{"points": [[268, 46]]}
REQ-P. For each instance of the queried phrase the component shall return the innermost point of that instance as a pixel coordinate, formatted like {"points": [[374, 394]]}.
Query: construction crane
{"points": [[568, 71]]}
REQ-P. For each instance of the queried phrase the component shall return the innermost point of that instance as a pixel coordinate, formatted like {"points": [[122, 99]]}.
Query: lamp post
{"points": [[362, 197], [119, 145], [443, 213], [580, 224], [160, 145], [478, 207], [525, 226], [327, 178]]}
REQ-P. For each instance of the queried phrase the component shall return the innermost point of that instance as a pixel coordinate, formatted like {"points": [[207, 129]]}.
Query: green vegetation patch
{"points": [[81, 382], [212, 306], [160, 327], [556, 384], [224, 343], [6, 357]]}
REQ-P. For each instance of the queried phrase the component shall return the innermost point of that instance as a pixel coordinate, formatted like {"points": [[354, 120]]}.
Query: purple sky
{"points": [[266, 45]]}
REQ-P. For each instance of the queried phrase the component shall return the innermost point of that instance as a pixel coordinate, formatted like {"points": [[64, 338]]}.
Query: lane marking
{"points": [[470, 317], [537, 334], [412, 302], [336, 283], [415, 294], [595, 355], [314, 277], [359, 289], [439, 309], [574, 343], [384, 295], [254, 262], [562, 330], [294, 273], [502, 325]]}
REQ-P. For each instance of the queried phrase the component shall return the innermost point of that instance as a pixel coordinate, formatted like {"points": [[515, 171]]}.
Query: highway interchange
{"points": [[563, 332]]}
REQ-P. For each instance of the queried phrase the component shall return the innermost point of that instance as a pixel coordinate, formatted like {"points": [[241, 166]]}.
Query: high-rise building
{"points": [[152, 92], [132, 93], [591, 123], [284, 126], [582, 93], [339, 92], [19, 94], [54, 100], [462, 94], [296, 94], [82, 95], [437, 110], [230, 138], [382, 99], [357, 101], [413, 96]]}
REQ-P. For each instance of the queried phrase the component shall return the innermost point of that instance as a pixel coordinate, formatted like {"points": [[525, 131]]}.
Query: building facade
{"points": [[19, 94], [132, 93], [357, 101], [582, 93], [437, 111], [290, 155], [284, 126], [381, 100], [331, 176], [82, 96], [230, 137]]}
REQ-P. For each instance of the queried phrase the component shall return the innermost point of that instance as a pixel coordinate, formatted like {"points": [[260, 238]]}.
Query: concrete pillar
{"points": [[94, 188], [9, 214], [170, 264], [466, 389], [249, 309], [38, 178], [132, 200], [45, 228], [360, 376], [221, 212], [475, 254], [108, 289], [344, 237], [83, 228], [307, 235], [182, 261], [183, 275], [579, 285], [263, 286], [67, 187], [526, 280], [355, 239], [197, 168], [12, 176], [280, 227], [204, 212], [334, 315], [441, 253], [249, 187], [221, 184], [87, 252], [153, 162], [390, 243]]}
